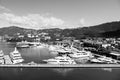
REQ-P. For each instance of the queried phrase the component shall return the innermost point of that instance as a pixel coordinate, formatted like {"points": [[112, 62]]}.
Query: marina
{"points": [[64, 56], [59, 40]]}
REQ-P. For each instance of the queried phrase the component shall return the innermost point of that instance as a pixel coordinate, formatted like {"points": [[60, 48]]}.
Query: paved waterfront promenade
{"points": [[61, 66]]}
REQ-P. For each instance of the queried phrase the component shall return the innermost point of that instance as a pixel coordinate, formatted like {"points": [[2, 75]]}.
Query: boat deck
{"points": [[7, 59], [60, 66]]}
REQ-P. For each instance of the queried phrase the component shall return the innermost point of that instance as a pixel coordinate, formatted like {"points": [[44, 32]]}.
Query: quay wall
{"points": [[60, 66]]}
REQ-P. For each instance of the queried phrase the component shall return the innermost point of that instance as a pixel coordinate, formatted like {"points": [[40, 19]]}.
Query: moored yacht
{"points": [[104, 59], [1, 57], [23, 44], [81, 56], [60, 60], [1, 54], [16, 56]]}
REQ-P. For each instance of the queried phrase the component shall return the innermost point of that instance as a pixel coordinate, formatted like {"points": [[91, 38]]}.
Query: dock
{"points": [[7, 59], [60, 66]]}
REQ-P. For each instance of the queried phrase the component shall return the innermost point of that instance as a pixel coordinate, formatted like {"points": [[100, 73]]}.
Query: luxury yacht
{"points": [[1, 57], [16, 56], [60, 60], [104, 59], [107, 59], [81, 56]]}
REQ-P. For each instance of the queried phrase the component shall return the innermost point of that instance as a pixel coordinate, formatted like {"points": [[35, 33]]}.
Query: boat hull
{"points": [[17, 61]]}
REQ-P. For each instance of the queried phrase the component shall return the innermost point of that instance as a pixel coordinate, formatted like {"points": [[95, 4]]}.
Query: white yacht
{"points": [[60, 60], [107, 59], [95, 60], [1, 57], [1, 54], [23, 44], [104, 59], [16, 56], [81, 56]]}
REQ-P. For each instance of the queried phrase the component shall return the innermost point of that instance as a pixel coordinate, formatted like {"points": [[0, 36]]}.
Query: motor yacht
{"points": [[1, 57], [1, 54], [16, 56], [60, 60], [104, 59], [95, 60], [107, 59], [81, 56]]}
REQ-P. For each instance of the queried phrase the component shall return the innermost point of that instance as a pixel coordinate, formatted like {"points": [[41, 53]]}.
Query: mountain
{"points": [[103, 30], [108, 34], [111, 29], [13, 30]]}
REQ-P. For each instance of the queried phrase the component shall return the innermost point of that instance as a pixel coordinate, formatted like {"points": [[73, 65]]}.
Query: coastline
{"points": [[60, 66]]}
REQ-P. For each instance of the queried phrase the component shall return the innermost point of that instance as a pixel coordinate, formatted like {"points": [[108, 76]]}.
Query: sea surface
{"points": [[37, 54]]}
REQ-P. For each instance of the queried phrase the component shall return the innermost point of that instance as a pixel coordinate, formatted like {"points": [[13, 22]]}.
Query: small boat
{"points": [[16, 56], [23, 44], [32, 63]]}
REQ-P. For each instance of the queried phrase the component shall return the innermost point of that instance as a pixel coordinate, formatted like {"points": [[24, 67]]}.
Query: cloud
{"points": [[35, 21], [82, 21], [4, 8]]}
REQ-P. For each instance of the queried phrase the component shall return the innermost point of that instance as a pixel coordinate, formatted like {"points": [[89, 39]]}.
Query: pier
{"points": [[60, 66]]}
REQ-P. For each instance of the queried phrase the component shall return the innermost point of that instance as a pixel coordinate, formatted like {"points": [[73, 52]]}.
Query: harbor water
{"points": [[37, 54], [59, 74]]}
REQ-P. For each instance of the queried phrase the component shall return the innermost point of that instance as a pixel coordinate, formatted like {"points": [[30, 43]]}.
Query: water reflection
{"points": [[66, 71], [107, 69], [63, 71], [59, 74]]}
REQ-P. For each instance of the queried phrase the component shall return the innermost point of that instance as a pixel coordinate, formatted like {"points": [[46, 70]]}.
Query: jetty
{"points": [[60, 66]]}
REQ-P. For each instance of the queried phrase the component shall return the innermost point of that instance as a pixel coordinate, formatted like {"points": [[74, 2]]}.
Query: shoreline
{"points": [[60, 66]]}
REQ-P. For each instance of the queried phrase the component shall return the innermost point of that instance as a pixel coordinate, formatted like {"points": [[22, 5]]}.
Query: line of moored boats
{"points": [[74, 56], [14, 57], [66, 55], [25, 44]]}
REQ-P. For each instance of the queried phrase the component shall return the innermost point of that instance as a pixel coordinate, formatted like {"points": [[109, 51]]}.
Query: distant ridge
{"points": [[111, 29], [13, 30]]}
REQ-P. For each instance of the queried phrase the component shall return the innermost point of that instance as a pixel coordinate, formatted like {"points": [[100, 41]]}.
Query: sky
{"points": [[40, 14]]}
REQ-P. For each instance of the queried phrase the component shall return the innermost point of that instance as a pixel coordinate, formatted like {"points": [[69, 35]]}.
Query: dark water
{"points": [[38, 54], [58, 74]]}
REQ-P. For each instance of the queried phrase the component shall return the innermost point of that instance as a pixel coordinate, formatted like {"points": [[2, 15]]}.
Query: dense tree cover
{"points": [[111, 29]]}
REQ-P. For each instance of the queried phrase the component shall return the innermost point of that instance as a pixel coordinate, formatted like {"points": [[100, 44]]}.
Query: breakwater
{"points": [[60, 66]]}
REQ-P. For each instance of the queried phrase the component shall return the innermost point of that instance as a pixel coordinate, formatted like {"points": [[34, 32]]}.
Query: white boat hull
{"points": [[1, 61], [17, 61], [82, 60]]}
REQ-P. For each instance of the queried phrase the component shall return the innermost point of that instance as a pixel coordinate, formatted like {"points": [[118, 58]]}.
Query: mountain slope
{"points": [[111, 29], [13, 30]]}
